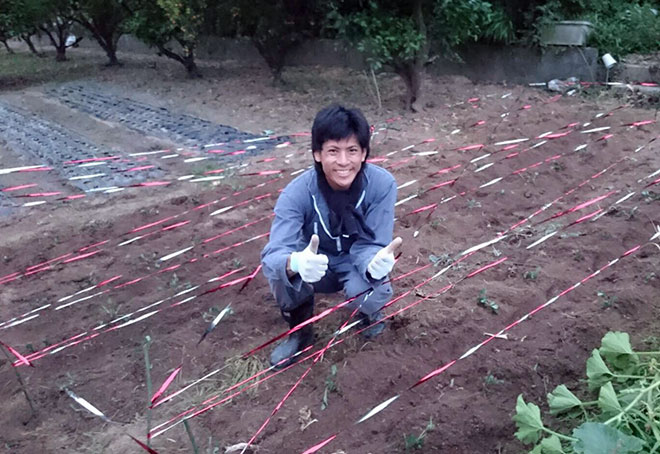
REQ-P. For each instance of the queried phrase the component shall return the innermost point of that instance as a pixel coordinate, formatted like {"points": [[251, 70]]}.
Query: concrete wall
{"points": [[487, 63], [522, 64]]}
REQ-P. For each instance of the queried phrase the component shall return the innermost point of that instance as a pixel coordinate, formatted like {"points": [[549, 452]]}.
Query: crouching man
{"points": [[332, 230]]}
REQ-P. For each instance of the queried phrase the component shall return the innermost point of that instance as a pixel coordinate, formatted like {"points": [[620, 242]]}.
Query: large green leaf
{"points": [[551, 445], [598, 438], [597, 371], [616, 349], [607, 400], [561, 400], [538, 449], [528, 421]]}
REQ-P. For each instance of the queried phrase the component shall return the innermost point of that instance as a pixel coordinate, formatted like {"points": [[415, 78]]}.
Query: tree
{"points": [[275, 27], [6, 31], [456, 22], [22, 18], [161, 23], [394, 33], [54, 19], [106, 21]]}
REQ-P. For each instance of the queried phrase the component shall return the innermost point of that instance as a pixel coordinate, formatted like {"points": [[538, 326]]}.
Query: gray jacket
{"points": [[301, 211]]}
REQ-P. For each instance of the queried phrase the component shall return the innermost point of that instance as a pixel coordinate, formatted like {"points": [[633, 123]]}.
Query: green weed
{"points": [[472, 203], [330, 386], [531, 275], [491, 380], [415, 442], [483, 300], [606, 300]]}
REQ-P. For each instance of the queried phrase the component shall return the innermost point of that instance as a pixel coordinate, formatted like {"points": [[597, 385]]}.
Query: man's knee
{"points": [[288, 298], [372, 297]]}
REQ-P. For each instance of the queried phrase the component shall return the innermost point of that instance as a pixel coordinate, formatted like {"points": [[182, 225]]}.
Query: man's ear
{"points": [[317, 155]]}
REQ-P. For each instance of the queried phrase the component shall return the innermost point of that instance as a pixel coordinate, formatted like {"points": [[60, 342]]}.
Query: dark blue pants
{"points": [[341, 275]]}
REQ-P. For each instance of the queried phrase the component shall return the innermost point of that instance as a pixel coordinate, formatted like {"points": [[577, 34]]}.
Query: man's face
{"points": [[341, 161]]}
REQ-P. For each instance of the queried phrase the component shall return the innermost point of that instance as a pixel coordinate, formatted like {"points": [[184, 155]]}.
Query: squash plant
{"points": [[623, 416]]}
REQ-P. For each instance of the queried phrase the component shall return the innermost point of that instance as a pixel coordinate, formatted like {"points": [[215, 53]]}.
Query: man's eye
{"points": [[353, 151]]}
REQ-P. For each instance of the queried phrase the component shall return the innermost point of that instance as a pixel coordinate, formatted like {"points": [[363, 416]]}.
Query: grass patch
{"points": [[23, 69], [238, 369]]}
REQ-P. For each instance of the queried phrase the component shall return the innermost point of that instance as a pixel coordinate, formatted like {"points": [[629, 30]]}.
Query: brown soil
{"points": [[471, 412]]}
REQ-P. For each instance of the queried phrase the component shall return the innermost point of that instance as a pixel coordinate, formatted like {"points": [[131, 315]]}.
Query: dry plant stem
{"points": [[369, 87], [373, 76], [191, 436], [147, 365], [22, 383]]}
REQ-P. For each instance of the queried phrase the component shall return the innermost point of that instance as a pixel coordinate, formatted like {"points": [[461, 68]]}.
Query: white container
{"points": [[608, 61], [567, 33]]}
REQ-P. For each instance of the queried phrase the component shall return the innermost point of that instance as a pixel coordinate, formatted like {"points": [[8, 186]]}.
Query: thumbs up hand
{"points": [[308, 263], [383, 261]]}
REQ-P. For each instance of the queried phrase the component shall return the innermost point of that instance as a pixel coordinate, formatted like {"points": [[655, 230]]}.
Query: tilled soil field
{"points": [[527, 221]]}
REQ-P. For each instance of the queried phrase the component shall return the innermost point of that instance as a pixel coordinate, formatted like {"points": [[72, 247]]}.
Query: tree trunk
{"points": [[28, 41], [107, 40], [417, 73], [274, 54], [278, 80], [188, 60], [61, 53], [112, 58], [191, 67], [9, 49], [59, 44], [411, 77]]}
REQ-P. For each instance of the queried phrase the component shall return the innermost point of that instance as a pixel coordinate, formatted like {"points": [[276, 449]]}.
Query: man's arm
{"points": [[380, 219], [284, 237]]}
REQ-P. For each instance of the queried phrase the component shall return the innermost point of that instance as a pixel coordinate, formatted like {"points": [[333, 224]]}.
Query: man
{"points": [[332, 230]]}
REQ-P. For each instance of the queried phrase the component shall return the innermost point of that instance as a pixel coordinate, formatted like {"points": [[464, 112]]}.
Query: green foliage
{"points": [[597, 438], [384, 37], [628, 28], [531, 275], [562, 400], [456, 22], [528, 421], [275, 26], [161, 22], [605, 299], [24, 16], [416, 442], [483, 300], [623, 419], [620, 26], [330, 386], [106, 20], [492, 380]]}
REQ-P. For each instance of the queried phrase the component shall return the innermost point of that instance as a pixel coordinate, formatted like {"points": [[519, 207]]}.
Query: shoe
{"points": [[293, 344], [375, 330], [297, 341]]}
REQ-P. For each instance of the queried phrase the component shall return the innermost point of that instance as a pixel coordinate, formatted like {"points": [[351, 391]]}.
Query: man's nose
{"points": [[342, 157]]}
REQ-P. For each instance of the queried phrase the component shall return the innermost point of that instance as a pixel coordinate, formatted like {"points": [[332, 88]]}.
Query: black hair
{"points": [[336, 122]]}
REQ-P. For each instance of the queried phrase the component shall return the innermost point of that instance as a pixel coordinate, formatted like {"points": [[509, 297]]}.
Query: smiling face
{"points": [[341, 161]]}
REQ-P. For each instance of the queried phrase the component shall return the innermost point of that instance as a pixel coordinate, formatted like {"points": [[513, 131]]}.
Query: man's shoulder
{"points": [[300, 184], [379, 175]]}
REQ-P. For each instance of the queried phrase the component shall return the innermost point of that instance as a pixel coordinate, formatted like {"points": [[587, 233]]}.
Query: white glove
{"points": [[383, 262], [310, 265]]}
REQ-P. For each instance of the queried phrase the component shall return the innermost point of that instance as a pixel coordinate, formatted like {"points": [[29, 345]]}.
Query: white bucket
{"points": [[608, 61]]}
